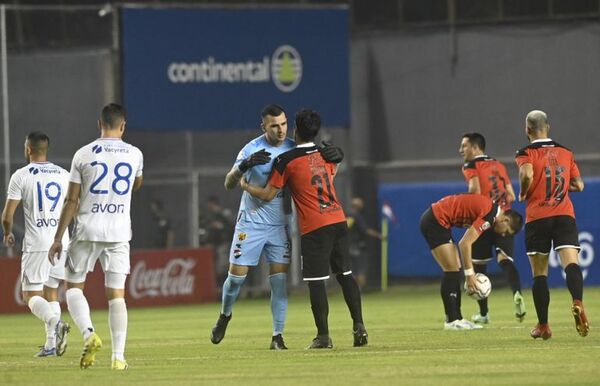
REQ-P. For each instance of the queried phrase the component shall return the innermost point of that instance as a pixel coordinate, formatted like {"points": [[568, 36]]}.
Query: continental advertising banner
{"points": [[159, 277], [215, 69], [409, 254]]}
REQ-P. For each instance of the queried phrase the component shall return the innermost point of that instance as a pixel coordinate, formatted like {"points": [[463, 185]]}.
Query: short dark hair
{"points": [[272, 110], [475, 139], [112, 115], [38, 142], [308, 124], [516, 220]]}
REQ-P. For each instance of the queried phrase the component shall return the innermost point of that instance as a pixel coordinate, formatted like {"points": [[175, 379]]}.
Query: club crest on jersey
{"points": [[485, 226], [97, 149], [242, 236], [34, 170], [237, 253]]}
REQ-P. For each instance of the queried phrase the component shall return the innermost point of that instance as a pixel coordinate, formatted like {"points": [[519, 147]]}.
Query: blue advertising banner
{"points": [[215, 69], [409, 254]]}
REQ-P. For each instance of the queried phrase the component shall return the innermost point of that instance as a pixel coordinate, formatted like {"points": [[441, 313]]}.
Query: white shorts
{"points": [[82, 256], [36, 270]]}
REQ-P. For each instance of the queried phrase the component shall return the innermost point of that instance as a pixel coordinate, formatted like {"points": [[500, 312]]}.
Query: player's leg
{"points": [[341, 262], [277, 254], [315, 247], [56, 277], [566, 242], [481, 252], [482, 317], [538, 243], [504, 253], [81, 256], [115, 261], [246, 248]]}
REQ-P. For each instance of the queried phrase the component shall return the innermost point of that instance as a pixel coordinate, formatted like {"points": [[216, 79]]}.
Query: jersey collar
{"points": [[480, 156], [308, 144]]}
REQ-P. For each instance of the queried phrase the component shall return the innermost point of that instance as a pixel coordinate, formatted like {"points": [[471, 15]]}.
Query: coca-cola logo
{"points": [[174, 279]]}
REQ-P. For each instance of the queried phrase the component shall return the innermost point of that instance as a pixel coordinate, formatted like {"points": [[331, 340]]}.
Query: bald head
{"points": [[357, 204], [537, 121]]}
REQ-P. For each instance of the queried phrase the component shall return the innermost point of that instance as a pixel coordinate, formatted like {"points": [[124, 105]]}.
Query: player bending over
{"points": [[477, 213]]}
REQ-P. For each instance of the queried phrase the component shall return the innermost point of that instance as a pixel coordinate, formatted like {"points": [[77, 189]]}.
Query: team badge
{"points": [[485, 226], [237, 253], [242, 236]]}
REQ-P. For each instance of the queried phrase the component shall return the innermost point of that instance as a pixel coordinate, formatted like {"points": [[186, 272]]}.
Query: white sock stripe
{"points": [[315, 278], [116, 301], [277, 273], [237, 276]]}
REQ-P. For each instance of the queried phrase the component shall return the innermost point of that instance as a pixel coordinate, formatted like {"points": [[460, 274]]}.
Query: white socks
{"points": [[80, 311], [44, 312], [117, 322]]}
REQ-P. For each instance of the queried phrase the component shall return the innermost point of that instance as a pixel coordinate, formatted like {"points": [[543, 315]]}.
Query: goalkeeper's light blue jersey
{"points": [[253, 209]]}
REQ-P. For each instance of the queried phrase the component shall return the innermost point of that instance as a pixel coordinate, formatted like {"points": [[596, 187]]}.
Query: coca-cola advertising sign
{"points": [[158, 277]]}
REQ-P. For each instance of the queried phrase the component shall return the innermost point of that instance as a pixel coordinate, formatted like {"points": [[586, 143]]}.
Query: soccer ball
{"points": [[484, 287]]}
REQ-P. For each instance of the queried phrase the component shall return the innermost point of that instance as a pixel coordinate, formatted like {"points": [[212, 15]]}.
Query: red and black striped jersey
{"points": [[310, 180], [465, 210], [553, 168], [493, 178]]}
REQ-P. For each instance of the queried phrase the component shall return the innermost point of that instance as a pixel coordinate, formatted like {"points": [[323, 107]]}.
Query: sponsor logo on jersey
{"points": [[485, 226], [97, 149], [46, 222], [242, 236], [108, 208], [283, 67], [33, 170]]}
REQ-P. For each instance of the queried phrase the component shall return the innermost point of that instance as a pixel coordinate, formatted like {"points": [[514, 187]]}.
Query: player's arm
{"points": [[137, 183], [525, 179], [474, 186], [510, 193], [266, 194], [465, 245], [8, 215], [233, 178], [69, 210]]}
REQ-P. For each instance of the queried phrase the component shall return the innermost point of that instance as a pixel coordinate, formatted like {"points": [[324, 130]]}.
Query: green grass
{"points": [[407, 346]]}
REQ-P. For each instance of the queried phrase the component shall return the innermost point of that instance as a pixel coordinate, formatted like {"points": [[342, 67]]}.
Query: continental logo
{"points": [[283, 68]]}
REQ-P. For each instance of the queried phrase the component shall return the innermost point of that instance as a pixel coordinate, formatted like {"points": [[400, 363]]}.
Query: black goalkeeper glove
{"points": [[331, 153], [261, 157]]}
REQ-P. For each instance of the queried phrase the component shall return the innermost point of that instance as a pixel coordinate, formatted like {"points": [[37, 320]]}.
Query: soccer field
{"points": [[407, 346]]}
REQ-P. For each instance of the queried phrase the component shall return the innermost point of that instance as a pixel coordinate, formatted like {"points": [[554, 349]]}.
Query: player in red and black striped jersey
{"points": [[547, 173], [477, 213], [324, 240], [487, 176]]}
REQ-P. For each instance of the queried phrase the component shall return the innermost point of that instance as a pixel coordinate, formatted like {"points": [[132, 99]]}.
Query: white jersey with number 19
{"points": [[42, 188], [106, 170]]}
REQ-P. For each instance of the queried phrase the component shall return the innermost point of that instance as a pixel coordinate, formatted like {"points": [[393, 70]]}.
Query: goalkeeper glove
{"points": [[261, 157], [331, 153]]}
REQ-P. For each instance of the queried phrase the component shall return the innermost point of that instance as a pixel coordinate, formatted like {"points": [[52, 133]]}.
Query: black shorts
{"points": [[325, 248], [558, 230], [490, 241], [434, 233]]}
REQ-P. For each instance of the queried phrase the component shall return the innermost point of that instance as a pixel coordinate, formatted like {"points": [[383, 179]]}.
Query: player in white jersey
{"points": [[103, 175], [41, 187]]}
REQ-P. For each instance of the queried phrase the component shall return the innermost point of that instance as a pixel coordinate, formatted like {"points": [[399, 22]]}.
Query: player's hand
{"points": [[9, 240], [243, 183], [261, 157], [54, 252], [471, 284], [331, 153]]}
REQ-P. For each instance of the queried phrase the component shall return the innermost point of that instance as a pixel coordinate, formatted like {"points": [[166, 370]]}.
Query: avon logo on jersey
{"points": [[97, 149], [108, 208], [46, 222]]}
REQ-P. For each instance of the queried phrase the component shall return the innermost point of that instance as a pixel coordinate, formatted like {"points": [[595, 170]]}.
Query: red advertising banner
{"points": [[158, 277]]}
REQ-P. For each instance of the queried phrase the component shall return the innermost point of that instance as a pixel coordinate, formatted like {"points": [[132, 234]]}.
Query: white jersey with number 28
{"points": [[41, 187], [106, 170]]}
